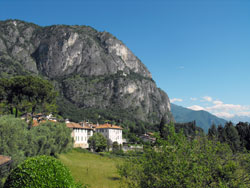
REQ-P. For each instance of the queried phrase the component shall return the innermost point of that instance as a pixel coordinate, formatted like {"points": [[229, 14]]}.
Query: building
{"points": [[112, 133], [148, 137], [80, 133], [5, 163]]}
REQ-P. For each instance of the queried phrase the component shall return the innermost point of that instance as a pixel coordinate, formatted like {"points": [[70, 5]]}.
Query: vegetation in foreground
{"points": [[178, 161], [95, 170], [41, 171], [19, 141]]}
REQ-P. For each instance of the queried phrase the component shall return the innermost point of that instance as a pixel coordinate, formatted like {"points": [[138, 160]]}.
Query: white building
{"points": [[112, 132], [80, 133]]}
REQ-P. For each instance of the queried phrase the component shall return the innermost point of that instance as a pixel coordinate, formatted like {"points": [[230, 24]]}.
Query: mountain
{"points": [[97, 76], [236, 119], [203, 119]]}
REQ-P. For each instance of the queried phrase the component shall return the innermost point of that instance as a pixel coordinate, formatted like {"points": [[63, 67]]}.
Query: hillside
{"points": [[203, 119], [237, 119], [97, 76], [92, 169]]}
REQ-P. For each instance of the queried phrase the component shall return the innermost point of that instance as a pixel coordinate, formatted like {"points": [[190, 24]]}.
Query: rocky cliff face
{"points": [[91, 69]]}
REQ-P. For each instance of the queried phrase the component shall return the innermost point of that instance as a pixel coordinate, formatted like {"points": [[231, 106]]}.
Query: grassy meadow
{"points": [[92, 169]]}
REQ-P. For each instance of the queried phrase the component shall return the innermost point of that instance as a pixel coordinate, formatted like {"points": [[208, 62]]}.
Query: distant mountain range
{"points": [[237, 119], [203, 118]]}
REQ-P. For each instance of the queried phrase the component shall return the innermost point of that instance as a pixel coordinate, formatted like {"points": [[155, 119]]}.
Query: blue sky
{"points": [[198, 51]]}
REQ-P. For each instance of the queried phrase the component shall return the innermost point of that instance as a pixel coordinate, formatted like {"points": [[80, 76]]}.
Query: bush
{"points": [[51, 138], [18, 142], [181, 162], [13, 134], [38, 172], [97, 142]]}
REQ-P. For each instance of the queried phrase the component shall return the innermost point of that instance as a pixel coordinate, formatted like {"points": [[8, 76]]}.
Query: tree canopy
{"points": [[27, 94], [182, 162], [20, 142], [97, 142]]}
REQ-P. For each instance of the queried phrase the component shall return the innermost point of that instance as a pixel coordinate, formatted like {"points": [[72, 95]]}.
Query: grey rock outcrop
{"points": [[91, 69]]}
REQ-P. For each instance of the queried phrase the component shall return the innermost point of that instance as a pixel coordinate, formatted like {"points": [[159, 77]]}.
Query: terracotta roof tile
{"points": [[108, 126], [76, 125], [4, 159]]}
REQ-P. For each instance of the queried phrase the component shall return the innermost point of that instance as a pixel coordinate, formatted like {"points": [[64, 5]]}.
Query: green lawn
{"points": [[92, 169]]}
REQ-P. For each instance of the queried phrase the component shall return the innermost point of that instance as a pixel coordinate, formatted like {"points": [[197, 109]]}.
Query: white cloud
{"points": [[217, 102], [228, 110], [175, 100], [226, 107], [193, 99], [221, 109], [196, 107], [243, 114], [224, 115], [208, 99]]}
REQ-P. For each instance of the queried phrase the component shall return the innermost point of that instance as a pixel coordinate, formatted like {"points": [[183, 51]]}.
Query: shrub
{"points": [[38, 172], [13, 133], [181, 162], [97, 142], [51, 138]]}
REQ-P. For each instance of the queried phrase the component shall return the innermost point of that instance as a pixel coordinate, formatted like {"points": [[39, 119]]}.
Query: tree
{"points": [[181, 162], [212, 132], [13, 141], [19, 142], [40, 171], [232, 136], [115, 147], [27, 93], [244, 133], [97, 142], [50, 138], [162, 127]]}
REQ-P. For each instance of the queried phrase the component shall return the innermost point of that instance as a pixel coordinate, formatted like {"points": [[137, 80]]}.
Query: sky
{"points": [[198, 51]]}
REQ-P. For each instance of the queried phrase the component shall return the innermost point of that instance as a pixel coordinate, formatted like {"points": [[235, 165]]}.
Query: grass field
{"points": [[92, 169]]}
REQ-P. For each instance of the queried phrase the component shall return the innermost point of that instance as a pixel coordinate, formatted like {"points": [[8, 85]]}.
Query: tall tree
{"points": [[244, 133], [163, 127], [212, 132], [232, 136], [27, 93]]}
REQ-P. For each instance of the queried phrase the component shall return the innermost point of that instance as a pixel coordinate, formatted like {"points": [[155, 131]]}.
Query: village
{"points": [[82, 131]]}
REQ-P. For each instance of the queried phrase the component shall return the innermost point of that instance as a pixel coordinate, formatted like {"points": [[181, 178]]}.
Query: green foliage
{"points": [[20, 142], [98, 171], [13, 134], [97, 142], [27, 94], [51, 138], [181, 162], [244, 133], [38, 172], [189, 129], [229, 134], [212, 132], [162, 128]]}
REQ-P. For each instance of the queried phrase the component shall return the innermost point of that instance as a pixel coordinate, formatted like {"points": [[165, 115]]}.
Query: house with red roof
{"points": [[80, 133], [113, 133]]}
